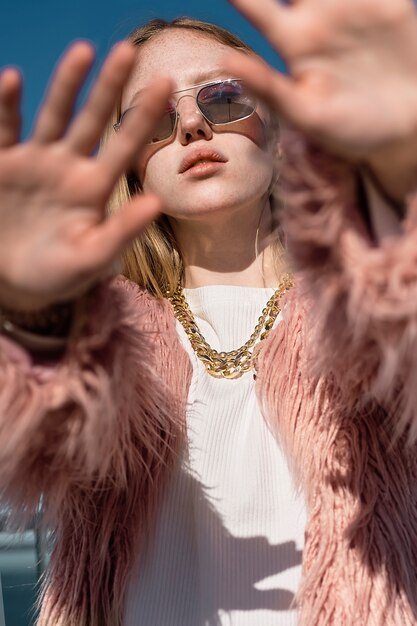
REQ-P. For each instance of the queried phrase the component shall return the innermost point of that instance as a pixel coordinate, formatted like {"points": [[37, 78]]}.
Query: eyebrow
{"points": [[195, 79], [202, 77]]}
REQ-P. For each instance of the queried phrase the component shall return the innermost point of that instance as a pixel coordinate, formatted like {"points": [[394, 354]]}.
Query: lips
{"points": [[199, 157]]}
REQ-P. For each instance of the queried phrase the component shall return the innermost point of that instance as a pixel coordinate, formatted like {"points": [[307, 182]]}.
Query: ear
{"points": [[274, 136], [276, 151], [275, 146]]}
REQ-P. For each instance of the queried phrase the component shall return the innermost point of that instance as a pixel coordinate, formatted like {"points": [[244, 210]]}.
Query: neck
{"points": [[228, 249]]}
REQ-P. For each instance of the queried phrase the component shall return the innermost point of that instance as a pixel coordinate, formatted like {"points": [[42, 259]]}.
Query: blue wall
{"points": [[33, 34]]}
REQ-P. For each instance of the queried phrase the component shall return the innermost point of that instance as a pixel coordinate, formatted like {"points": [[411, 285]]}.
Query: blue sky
{"points": [[33, 33]]}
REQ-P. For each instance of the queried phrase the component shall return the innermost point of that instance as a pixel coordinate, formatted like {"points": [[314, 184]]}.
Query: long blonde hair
{"points": [[154, 260]]}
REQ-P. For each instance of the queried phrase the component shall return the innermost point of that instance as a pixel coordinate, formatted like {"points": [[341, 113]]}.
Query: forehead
{"points": [[186, 57]]}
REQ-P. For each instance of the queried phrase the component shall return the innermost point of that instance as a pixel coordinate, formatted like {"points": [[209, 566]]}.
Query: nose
{"points": [[192, 125]]}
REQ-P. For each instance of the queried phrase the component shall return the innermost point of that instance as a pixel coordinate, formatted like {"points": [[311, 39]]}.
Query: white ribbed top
{"points": [[229, 536]]}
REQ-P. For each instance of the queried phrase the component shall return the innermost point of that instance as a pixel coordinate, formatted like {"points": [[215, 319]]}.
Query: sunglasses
{"points": [[220, 102]]}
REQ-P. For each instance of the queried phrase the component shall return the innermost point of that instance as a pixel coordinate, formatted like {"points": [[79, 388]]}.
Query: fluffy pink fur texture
{"points": [[97, 433]]}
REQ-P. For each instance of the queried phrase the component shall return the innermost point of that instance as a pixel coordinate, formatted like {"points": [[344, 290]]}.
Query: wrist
{"points": [[394, 171], [51, 321], [19, 301], [48, 329]]}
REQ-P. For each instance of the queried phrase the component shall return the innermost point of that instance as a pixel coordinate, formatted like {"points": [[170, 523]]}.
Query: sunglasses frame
{"points": [[200, 87]]}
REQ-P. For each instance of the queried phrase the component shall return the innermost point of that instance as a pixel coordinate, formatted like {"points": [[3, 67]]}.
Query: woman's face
{"points": [[244, 148]]}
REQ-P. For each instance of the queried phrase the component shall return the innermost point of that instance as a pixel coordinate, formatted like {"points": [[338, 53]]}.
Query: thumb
{"points": [[107, 240]]}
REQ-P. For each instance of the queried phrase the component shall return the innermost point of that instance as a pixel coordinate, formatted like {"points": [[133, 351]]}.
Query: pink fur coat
{"points": [[97, 433]]}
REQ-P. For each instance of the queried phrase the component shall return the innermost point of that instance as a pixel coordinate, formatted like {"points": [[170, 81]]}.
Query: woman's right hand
{"points": [[55, 237]]}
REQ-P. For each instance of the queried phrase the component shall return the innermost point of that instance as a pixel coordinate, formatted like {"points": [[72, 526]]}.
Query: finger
{"points": [[120, 151], [106, 241], [277, 90], [87, 128], [269, 17], [10, 96], [66, 83]]}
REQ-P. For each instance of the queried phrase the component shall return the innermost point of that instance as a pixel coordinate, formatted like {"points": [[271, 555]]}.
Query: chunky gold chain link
{"points": [[235, 363]]}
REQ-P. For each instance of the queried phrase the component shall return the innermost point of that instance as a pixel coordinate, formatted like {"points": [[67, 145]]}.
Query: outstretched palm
{"points": [[352, 80], [55, 239]]}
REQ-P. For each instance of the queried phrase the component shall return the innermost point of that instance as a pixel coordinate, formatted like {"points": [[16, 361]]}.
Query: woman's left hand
{"points": [[352, 82]]}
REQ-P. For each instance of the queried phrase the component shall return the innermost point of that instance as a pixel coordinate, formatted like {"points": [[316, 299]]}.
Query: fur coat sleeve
{"points": [[71, 423], [362, 294], [92, 435]]}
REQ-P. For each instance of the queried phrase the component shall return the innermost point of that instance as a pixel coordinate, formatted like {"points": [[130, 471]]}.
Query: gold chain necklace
{"points": [[235, 363]]}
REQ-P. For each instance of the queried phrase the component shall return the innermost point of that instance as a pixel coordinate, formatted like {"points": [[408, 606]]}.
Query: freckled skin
{"points": [[188, 59]]}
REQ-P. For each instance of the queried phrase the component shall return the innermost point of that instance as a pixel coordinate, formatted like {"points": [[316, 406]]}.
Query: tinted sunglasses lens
{"points": [[165, 126], [163, 129], [225, 102]]}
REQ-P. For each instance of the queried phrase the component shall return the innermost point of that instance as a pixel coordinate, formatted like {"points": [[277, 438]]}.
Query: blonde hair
{"points": [[154, 260]]}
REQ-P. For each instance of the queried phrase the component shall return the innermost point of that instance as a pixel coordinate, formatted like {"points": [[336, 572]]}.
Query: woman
{"points": [[146, 462]]}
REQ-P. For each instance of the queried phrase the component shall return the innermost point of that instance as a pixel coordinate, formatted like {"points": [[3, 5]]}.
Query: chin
{"points": [[200, 210], [212, 200], [204, 207]]}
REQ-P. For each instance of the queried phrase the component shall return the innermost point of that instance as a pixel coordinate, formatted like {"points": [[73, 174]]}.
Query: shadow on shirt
{"points": [[211, 573]]}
